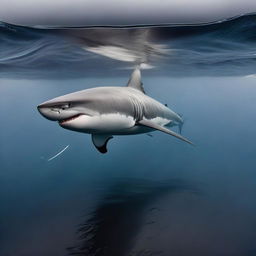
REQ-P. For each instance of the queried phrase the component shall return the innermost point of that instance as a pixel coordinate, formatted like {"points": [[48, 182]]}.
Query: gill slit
{"points": [[138, 109]]}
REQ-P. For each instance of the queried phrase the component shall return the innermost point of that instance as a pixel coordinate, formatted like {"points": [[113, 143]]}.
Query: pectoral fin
{"points": [[100, 141], [155, 126]]}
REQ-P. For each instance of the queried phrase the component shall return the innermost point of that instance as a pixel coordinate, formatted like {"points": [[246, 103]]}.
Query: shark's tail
{"points": [[180, 125]]}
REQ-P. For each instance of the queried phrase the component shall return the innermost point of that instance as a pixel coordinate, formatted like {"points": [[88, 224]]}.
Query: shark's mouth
{"points": [[61, 122]]}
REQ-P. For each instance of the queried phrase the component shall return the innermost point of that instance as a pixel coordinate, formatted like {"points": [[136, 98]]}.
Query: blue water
{"points": [[148, 195]]}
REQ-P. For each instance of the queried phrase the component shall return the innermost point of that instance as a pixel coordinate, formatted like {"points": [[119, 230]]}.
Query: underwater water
{"points": [[148, 195]]}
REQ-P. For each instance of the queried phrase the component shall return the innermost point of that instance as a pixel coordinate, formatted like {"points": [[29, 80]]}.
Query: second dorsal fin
{"points": [[135, 80]]}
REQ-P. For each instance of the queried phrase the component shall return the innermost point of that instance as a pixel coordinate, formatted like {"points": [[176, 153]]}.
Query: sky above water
{"points": [[129, 12]]}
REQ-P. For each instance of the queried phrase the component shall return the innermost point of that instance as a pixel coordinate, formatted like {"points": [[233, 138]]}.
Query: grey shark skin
{"points": [[107, 111]]}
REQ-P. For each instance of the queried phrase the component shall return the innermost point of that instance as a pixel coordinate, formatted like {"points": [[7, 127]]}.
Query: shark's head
{"points": [[70, 111]]}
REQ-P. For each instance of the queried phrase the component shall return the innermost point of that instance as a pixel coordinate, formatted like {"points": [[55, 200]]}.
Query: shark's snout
{"points": [[50, 112], [46, 112], [60, 112]]}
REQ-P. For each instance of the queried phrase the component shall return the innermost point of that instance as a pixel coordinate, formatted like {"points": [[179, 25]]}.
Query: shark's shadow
{"points": [[112, 227]]}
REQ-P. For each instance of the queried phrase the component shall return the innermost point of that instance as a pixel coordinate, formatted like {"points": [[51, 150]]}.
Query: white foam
{"points": [[251, 76], [114, 52]]}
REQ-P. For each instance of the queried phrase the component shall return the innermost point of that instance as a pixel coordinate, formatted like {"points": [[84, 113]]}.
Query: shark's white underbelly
{"points": [[114, 123], [105, 123], [137, 129]]}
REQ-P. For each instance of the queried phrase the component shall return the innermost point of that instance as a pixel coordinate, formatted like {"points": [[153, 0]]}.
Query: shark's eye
{"points": [[65, 106]]}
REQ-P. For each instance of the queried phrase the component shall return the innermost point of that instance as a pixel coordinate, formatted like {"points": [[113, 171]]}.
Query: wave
{"points": [[222, 48]]}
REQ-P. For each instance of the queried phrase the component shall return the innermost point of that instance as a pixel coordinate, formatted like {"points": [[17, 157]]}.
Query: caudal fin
{"points": [[180, 125]]}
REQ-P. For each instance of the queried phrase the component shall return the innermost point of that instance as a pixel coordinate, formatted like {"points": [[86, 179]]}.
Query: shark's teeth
{"points": [[69, 119]]}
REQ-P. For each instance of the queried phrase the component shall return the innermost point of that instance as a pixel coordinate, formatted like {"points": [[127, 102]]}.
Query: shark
{"points": [[105, 112]]}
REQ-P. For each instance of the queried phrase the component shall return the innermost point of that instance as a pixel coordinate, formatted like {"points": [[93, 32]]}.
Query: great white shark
{"points": [[107, 111]]}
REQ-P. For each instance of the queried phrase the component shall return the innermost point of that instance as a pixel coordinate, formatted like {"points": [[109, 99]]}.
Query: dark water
{"points": [[148, 195]]}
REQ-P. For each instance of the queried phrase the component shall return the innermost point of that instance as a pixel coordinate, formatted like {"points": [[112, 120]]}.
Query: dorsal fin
{"points": [[135, 80]]}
